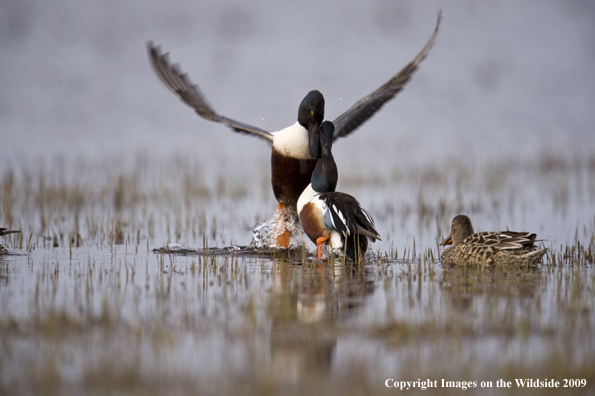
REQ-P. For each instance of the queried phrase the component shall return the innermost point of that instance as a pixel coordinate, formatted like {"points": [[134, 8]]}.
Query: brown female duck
{"points": [[489, 247]]}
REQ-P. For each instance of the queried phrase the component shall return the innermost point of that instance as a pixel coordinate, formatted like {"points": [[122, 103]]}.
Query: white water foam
{"points": [[264, 235]]}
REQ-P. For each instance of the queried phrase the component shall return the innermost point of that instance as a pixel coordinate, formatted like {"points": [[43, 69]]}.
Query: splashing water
{"points": [[264, 235]]}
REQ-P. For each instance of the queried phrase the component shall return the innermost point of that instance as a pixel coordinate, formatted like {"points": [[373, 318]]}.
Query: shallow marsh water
{"points": [[111, 315]]}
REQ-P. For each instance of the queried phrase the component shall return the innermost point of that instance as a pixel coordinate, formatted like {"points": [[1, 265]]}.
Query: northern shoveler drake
{"points": [[491, 248], [295, 148], [4, 231], [331, 217]]}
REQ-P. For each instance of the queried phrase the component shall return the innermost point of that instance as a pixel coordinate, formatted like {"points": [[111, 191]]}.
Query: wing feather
{"points": [[348, 216], [365, 108], [179, 84]]}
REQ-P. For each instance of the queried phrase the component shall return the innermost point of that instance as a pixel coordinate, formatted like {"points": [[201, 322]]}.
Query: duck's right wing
{"points": [[365, 108], [182, 88]]}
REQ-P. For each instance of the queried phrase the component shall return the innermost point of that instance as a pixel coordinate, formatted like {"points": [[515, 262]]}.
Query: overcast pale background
{"points": [[504, 77]]}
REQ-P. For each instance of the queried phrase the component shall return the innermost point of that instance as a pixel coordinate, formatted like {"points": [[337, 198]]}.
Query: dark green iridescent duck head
{"points": [[310, 116], [325, 175]]}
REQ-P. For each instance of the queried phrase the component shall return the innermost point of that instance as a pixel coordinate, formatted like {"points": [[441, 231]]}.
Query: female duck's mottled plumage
{"points": [[4, 231], [491, 248], [332, 217]]}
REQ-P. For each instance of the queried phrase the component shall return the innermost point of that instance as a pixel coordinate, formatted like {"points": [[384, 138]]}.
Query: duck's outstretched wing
{"points": [[368, 105], [182, 88]]}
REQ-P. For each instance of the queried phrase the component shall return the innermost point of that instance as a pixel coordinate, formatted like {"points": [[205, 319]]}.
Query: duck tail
{"points": [[532, 258]]}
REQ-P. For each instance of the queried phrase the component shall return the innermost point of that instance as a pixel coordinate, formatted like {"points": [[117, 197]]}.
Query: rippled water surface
{"points": [[91, 303], [95, 320]]}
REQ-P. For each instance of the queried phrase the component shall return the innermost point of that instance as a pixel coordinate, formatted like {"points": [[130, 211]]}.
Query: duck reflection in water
{"points": [[306, 307]]}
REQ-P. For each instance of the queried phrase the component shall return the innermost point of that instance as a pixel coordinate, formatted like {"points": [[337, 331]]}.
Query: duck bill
{"points": [[314, 141], [447, 241]]}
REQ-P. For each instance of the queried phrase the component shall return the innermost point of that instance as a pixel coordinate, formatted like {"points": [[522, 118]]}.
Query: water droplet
{"points": [[340, 98], [263, 118]]}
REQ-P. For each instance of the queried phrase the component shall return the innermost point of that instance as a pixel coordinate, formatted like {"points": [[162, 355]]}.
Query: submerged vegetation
{"points": [[182, 200], [87, 305]]}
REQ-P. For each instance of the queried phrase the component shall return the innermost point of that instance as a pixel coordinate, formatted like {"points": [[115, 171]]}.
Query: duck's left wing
{"points": [[368, 105]]}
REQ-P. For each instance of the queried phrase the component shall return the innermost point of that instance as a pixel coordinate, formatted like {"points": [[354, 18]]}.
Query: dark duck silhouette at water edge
{"points": [[4, 231]]}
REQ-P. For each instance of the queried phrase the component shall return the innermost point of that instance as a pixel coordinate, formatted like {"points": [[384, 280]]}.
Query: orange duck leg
{"points": [[319, 242], [283, 237]]}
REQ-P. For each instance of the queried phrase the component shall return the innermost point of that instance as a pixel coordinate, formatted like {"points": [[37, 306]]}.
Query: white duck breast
{"points": [[292, 142], [336, 240], [306, 197]]}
